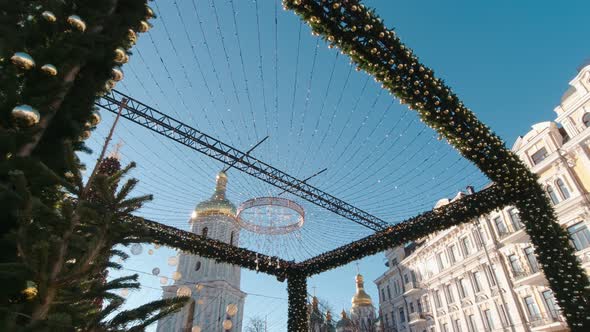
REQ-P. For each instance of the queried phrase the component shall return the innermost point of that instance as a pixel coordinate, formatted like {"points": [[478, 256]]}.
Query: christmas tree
{"points": [[58, 232]]}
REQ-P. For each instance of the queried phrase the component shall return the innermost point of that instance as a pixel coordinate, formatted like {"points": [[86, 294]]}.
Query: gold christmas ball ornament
{"points": [[117, 74], [76, 22], [109, 85], [227, 324], [30, 292], [172, 261], [26, 115], [49, 69], [49, 16], [149, 12], [183, 291], [23, 60], [231, 309], [196, 328], [176, 276], [132, 36], [95, 118], [85, 135], [144, 26], [120, 55]]}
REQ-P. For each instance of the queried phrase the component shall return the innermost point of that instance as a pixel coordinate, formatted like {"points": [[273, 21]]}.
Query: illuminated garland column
{"points": [[360, 34], [297, 291]]}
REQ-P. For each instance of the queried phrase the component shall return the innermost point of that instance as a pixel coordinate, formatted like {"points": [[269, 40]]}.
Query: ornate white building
{"points": [[483, 276], [212, 286]]}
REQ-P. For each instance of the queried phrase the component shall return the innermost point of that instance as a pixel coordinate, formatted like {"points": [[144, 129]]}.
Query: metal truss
{"points": [[167, 126]]}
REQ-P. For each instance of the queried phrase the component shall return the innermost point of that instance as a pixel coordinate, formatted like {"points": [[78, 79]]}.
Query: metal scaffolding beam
{"points": [[167, 126]]}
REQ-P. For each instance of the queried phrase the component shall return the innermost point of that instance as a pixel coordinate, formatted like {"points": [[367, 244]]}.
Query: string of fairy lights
{"points": [[378, 155], [324, 115]]}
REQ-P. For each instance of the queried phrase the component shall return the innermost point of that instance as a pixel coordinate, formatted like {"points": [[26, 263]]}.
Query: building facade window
{"points": [[477, 282], [579, 235], [444, 327], [231, 239], [515, 265], [449, 294], [586, 120], [504, 316], [402, 317], [453, 253], [204, 231], [515, 219], [426, 303], [382, 294], [539, 156], [394, 262], [530, 257], [479, 237], [197, 266], [491, 275], [466, 243], [437, 302], [462, 287], [488, 319], [457, 325], [565, 193], [532, 308], [471, 323], [412, 309], [440, 260], [500, 226], [549, 300], [388, 292], [553, 195]]}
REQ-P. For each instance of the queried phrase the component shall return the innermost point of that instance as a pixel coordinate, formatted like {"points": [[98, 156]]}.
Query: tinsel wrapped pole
{"points": [[297, 291]]}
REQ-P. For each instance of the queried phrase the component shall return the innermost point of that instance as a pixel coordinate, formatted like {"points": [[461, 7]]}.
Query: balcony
{"points": [[547, 322], [417, 318], [517, 236], [413, 287], [531, 275]]}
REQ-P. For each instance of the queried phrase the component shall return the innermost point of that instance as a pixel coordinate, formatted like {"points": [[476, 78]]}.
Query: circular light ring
{"points": [[271, 202]]}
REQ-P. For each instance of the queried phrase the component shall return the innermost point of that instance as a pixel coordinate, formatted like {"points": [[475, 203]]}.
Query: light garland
{"points": [[359, 33]]}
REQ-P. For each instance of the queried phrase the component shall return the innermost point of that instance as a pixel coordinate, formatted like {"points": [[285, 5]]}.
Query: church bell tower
{"points": [[214, 287]]}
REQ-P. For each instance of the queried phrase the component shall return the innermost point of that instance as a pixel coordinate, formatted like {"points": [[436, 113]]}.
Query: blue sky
{"points": [[509, 61]]}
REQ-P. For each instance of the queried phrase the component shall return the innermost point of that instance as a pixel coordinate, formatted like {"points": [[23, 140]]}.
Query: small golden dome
{"points": [[218, 204], [361, 298]]}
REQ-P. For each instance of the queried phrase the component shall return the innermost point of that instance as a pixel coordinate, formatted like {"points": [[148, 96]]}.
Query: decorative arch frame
{"points": [[361, 34]]}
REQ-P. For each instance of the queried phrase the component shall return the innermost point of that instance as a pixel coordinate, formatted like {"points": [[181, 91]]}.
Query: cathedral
{"points": [[217, 302], [362, 316]]}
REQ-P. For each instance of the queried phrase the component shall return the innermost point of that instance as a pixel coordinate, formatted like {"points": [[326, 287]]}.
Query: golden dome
{"points": [[361, 298], [218, 204]]}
